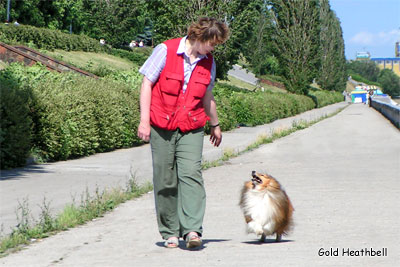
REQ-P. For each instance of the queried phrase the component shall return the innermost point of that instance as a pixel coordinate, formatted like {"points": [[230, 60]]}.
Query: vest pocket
{"points": [[169, 87], [197, 118], [161, 118], [200, 87], [173, 83]]}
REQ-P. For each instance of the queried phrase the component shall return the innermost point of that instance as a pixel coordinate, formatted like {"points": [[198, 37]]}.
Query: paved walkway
{"points": [[61, 182], [342, 175], [242, 74]]}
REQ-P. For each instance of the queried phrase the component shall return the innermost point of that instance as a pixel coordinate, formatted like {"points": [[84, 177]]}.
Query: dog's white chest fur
{"points": [[260, 206]]}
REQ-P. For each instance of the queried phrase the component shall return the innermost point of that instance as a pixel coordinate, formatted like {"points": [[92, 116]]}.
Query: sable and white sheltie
{"points": [[266, 207]]}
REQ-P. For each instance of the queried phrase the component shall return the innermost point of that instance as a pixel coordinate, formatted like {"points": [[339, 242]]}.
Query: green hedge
{"points": [[48, 39], [323, 98], [138, 55], [43, 38], [16, 123], [62, 116], [238, 107], [75, 115], [359, 78]]}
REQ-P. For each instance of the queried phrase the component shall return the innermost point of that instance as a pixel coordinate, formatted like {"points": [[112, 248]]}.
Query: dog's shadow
{"points": [[182, 243], [267, 241]]}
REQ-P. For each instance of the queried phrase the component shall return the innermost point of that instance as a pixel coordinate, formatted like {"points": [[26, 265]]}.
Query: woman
{"points": [[176, 101]]}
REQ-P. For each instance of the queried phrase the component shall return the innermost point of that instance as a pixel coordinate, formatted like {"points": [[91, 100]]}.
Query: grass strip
{"points": [[89, 208]]}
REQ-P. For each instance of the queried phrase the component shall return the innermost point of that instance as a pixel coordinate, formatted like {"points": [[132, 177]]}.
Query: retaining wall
{"points": [[391, 112]]}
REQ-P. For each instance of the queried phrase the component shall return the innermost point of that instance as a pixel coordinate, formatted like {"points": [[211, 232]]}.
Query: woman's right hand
{"points": [[144, 131], [145, 102]]}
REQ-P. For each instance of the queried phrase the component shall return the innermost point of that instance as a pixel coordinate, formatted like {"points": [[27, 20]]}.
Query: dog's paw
{"points": [[262, 238], [253, 227], [269, 228], [278, 238]]}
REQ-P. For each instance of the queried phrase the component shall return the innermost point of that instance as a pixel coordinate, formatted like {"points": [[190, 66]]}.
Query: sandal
{"points": [[171, 242], [193, 240]]}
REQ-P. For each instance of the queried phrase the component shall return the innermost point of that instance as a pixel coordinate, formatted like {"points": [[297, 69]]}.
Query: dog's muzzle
{"points": [[255, 178]]}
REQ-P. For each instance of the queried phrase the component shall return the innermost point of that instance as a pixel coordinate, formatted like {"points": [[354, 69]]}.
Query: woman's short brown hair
{"points": [[208, 30]]}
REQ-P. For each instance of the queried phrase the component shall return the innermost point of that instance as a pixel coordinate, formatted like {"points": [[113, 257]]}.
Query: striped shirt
{"points": [[156, 62]]}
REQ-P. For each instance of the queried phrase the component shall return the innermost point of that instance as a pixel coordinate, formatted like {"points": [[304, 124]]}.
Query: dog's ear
{"points": [[254, 174]]}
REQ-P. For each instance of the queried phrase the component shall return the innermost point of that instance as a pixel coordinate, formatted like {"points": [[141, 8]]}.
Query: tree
{"points": [[332, 73], [390, 82], [172, 18], [27, 12], [367, 69], [257, 51], [296, 41], [3, 10], [117, 21], [146, 36], [60, 14]]}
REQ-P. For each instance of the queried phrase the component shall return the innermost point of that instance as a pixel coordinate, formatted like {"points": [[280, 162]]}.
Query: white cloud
{"points": [[389, 37], [362, 38], [376, 39]]}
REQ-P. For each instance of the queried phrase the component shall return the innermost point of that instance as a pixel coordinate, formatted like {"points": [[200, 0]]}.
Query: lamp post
{"points": [[8, 10]]}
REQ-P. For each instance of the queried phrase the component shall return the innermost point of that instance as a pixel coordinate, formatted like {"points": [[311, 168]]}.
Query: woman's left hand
{"points": [[216, 136]]}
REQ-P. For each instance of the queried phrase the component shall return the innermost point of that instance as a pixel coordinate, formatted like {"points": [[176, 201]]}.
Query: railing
{"points": [[29, 57], [391, 112]]}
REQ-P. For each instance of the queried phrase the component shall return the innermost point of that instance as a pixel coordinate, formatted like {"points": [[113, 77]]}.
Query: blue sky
{"points": [[369, 25]]}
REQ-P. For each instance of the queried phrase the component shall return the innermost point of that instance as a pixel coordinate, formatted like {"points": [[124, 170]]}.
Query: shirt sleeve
{"points": [[213, 73], [155, 63]]}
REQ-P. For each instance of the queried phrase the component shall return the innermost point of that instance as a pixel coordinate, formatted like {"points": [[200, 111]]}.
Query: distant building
{"points": [[392, 63], [363, 56], [388, 63]]}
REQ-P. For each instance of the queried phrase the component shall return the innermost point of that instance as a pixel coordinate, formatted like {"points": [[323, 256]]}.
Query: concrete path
{"points": [[342, 175], [62, 182], [243, 74]]}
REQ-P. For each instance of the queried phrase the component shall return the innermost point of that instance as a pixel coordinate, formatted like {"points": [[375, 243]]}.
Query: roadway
{"points": [[342, 175]]}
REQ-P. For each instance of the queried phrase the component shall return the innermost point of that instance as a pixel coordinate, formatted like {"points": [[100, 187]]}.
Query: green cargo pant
{"points": [[179, 192]]}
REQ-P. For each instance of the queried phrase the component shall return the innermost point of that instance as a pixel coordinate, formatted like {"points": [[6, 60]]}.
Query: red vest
{"points": [[171, 108]]}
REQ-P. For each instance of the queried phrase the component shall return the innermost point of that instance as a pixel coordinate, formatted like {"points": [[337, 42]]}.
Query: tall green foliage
{"points": [[3, 10], [117, 21], [368, 69], [257, 51], [15, 123], [332, 74], [390, 82], [172, 18], [275, 36], [47, 39], [296, 41], [368, 72], [60, 14]]}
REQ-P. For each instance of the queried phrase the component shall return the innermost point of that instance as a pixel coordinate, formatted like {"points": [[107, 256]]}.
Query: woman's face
{"points": [[205, 48]]}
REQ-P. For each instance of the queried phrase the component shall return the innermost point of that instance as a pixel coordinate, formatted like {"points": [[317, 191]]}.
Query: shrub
{"points": [[75, 115], [48, 39], [62, 116], [323, 98], [137, 55], [390, 82], [16, 124], [83, 116], [359, 78], [249, 108]]}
